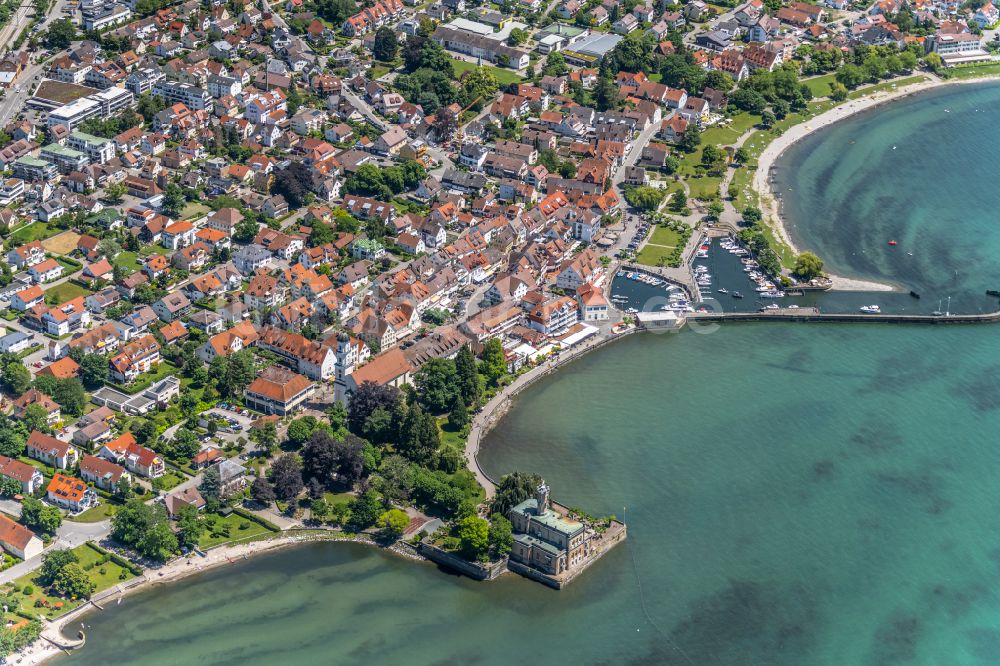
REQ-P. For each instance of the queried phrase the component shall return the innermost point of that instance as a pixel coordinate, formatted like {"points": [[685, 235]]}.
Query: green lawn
{"points": [[819, 86], [68, 267], [164, 369], [194, 210], [336, 499], [104, 576], [504, 76], [971, 71], [665, 236], [170, 480], [128, 260], [704, 187], [216, 536], [451, 437], [32, 232], [891, 84], [654, 255], [95, 514], [64, 292]]}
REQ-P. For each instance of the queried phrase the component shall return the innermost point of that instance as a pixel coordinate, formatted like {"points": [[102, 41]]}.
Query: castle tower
{"points": [[542, 497]]}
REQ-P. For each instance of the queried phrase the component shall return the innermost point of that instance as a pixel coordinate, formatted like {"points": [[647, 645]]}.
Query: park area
{"points": [[100, 569], [504, 76], [223, 529], [660, 247]]}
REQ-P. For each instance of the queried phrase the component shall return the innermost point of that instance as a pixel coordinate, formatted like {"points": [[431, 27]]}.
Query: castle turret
{"points": [[542, 497]]}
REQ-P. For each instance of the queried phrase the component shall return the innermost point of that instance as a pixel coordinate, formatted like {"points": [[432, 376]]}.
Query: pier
{"points": [[804, 314]]}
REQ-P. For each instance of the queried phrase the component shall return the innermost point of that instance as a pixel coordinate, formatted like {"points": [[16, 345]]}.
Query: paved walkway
{"points": [[497, 407]]}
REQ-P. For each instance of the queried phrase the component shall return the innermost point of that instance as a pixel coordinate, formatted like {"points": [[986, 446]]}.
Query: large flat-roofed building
{"points": [[72, 114], [98, 149], [67, 159], [33, 169], [193, 97], [480, 46], [590, 49], [51, 94], [113, 100]]}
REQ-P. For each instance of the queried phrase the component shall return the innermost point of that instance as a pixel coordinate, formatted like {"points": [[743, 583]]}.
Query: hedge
{"points": [[243, 513], [118, 559]]}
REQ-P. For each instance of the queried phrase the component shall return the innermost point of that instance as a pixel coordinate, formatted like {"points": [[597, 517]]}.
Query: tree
{"points": [[292, 183], [690, 139], [52, 563], [16, 377], [266, 436], [752, 215], [144, 430], [474, 537], [436, 384], [419, 436], [190, 525], [286, 475], [501, 536], [159, 542], [467, 376], [645, 197], [115, 192], [853, 76], [262, 491], [300, 429], [173, 200], [386, 46], [71, 396], [245, 230], [60, 34], [185, 444], [392, 523], [9, 487], [72, 581], [211, 485], [326, 458], [606, 95], [838, 92], [479, 86], [494, 365], [93, 370], [35, 417], [715, 209], [458, 418], [678, 202], [365, 400], [234, 372], [41, 517], [513, 489], [365, 510], [808, 266]]}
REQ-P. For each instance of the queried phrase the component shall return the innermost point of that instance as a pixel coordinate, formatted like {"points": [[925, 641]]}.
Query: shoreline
{"points": [[761, 184], [43, 649]]}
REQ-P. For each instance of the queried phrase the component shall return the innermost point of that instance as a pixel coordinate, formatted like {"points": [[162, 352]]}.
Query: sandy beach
{"points": [[42, 650], [769, 204]]}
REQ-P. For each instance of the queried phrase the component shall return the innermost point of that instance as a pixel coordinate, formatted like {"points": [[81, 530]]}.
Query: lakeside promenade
{"points": [[497, 406]]}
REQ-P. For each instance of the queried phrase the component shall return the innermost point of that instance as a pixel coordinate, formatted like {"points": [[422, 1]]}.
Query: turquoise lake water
{"points": [[795, 494], [920, 172]]}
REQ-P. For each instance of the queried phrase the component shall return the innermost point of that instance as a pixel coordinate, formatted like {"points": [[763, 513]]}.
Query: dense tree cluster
{"points": [[145, 529], [384, 182]]}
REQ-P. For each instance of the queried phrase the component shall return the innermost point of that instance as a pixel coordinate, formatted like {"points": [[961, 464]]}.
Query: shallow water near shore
{"points": [[795, 494], [919, 171]]}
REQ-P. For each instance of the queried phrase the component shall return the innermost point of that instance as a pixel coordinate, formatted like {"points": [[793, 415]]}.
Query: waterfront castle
{"points": [[546, 539]]}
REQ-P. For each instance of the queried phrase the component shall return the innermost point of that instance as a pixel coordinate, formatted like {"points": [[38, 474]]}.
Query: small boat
{"points": [[632, 311], [871, 309], [736, 294], [723, 290], [772, 306], [892, 242], [793, 307]]}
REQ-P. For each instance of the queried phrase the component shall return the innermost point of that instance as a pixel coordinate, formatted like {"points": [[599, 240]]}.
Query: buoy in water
{"points": [[892, 242]]}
